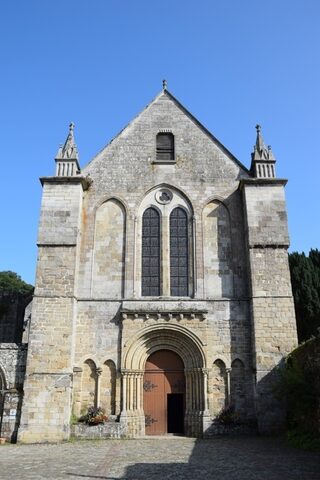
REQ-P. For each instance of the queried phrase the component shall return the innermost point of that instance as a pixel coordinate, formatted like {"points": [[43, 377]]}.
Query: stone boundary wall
{"points": [[106, 430]]}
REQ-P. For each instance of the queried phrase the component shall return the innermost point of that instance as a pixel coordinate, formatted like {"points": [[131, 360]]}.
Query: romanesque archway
{"points": [[179, 341]]}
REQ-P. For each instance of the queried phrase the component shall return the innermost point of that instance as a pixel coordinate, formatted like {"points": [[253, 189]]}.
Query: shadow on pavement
{"points": [[241, 458]]}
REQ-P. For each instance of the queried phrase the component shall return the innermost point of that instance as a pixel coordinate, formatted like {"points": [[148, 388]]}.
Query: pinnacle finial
{"points": [[261, 152], [259, 141], [164, 84], [69, 149]]}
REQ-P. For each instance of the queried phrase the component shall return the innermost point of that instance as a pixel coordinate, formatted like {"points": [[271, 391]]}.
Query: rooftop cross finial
{"points": [[164, 84], [71, 128], [258, 127]]}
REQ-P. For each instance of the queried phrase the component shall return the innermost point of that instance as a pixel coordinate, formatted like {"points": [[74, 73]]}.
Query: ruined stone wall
{"points": [[12, 372], [12, 307]]}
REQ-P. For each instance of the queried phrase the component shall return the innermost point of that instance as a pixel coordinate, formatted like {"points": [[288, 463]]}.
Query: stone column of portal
{"points": [[187, 420], [138, 416], [205, 390], [131, 392], [206, 417], [132, 412], [124, 395], [139, 379], [200, 401], [228, 392], [194, 413], [98, 387]]}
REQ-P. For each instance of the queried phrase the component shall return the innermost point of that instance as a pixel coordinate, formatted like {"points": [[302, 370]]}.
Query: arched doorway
{"points": [[182, 343], [164, 393]]}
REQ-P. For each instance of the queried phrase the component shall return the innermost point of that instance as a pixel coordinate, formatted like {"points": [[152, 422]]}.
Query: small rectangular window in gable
{"points": [[165, 147]]}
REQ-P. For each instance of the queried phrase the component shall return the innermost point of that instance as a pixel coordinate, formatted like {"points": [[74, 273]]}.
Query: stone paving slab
{"points": [[160, 458]]}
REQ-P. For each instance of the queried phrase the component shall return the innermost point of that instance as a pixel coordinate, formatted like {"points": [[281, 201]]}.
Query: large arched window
{"points": [[179, 276], [150, 284]]}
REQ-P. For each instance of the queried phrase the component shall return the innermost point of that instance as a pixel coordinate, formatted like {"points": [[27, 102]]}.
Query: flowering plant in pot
{"points": [[94, 416]]}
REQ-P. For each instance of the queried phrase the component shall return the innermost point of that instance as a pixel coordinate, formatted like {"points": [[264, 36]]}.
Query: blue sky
{"points": [[232, 63]]}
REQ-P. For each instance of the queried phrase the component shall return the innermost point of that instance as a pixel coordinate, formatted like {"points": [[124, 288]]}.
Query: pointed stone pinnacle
{"points": [[69, 149], [164, 84]]}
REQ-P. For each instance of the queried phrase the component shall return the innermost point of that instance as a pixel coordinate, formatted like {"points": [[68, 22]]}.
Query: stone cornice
{"points": [[262, 181], [164, 316], [284, 245], [85, 182]]}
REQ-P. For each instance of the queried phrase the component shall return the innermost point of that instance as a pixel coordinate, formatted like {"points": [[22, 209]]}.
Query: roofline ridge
{"points": [[189, 114]]}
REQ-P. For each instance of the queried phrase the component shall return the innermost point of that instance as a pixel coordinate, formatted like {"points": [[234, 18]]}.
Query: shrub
{"points": [[299, 385], [94, 416], [227, 416]]}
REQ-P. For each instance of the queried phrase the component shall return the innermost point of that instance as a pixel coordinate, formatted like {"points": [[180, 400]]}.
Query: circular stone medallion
{"points": [[163, 196]]}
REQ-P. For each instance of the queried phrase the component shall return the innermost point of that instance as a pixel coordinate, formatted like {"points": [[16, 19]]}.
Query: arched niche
{"points": [[109, 250], [219, 385], [108, 387], [217, 252], [88, 385]]}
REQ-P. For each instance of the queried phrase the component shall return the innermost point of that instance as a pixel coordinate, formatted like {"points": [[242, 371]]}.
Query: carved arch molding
{"points": [[159, 335]]}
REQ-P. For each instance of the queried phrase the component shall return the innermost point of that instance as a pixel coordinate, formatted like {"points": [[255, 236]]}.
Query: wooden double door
{"points": [[164, 393]]}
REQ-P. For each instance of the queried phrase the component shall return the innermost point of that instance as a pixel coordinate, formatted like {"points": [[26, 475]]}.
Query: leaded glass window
{"points": [[179, 277], [150, 285]]}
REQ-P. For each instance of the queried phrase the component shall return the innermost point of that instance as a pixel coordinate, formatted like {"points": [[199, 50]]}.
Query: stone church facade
{"points": [[162, 289]]}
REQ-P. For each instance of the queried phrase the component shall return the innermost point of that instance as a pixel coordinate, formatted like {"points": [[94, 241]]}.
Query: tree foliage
{"points": [[10, 282], [305, 277], [299, 384]]}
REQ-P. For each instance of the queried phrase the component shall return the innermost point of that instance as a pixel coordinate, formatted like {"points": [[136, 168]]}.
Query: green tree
{"points": [[305, 277], [10, 282]]}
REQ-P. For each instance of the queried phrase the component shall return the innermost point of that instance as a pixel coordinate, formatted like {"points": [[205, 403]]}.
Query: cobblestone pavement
{"points": [[160, 458]]}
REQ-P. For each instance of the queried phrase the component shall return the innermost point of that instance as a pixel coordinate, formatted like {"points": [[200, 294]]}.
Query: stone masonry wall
{"points": [[272, 310], [126, 169], [76, 320], [48, 387]]}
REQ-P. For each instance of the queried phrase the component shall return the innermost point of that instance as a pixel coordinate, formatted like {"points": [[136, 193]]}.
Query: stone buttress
{"points": [[272, 309], [48, 384]]}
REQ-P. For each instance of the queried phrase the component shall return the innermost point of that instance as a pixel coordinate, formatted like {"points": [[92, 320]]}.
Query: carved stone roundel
{"points": [[163, 196]]}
